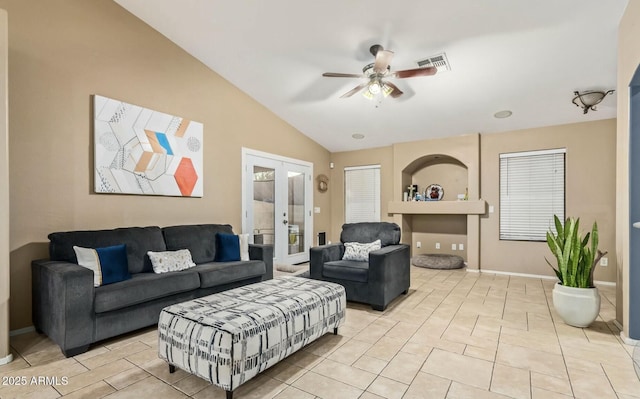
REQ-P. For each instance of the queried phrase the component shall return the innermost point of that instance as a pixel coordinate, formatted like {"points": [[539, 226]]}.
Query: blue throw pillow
{"points": [[227, 247], [109, 264]]}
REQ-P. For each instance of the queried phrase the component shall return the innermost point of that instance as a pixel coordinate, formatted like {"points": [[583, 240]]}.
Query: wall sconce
{"points": [[589, 99]]}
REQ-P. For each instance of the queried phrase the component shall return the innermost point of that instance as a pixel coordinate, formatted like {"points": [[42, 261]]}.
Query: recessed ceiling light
{"points": [[357, 136], [503, 114]]}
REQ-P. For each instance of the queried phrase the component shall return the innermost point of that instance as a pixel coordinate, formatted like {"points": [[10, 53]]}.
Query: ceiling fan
{"points": [[377, 72]]}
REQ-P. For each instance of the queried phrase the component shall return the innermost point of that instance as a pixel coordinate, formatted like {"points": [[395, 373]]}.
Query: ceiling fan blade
{"points": [[395, 93], [410, 73], [341, 75], [383, 59], [354, 90]]}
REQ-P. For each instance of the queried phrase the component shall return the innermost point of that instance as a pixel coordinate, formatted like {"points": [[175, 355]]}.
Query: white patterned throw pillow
{"points": [[171, 261], [359, 251], [244, 246]]}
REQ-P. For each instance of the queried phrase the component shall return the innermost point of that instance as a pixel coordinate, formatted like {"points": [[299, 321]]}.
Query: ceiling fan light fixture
{"points": [[374, 87], [589, 99], [386, 89]]}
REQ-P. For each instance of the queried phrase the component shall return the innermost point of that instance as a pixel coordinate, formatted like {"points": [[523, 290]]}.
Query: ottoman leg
{"points": [[172, 368], [229, 394], [335, 331]]}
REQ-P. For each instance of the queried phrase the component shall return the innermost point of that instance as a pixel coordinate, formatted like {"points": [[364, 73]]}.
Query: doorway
{"points": [[277, 203]]}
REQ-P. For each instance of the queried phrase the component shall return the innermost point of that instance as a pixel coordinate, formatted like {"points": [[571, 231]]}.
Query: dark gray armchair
{"points": [[377, 282]]}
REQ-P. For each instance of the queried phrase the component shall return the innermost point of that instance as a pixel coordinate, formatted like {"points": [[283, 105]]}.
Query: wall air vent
{"points": [[439, 61]]}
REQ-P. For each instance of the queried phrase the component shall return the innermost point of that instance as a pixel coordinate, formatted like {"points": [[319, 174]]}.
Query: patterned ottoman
{"points": [[229, 337]]}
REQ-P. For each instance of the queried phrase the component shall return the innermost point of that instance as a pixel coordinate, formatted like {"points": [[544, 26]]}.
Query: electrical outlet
{"points": [[453, 247], [418, 244], [437, 245], [604, 262], [461, 247]]}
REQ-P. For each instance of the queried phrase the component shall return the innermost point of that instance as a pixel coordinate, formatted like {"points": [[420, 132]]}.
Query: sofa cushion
{"points": [[350, 270], [227, 247], [109, 264], [170, 261], [139, 240], [200, 239], [388, 233], [144, 287], [217, 273]]}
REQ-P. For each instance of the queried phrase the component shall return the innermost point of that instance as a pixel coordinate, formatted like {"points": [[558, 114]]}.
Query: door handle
{"points": [[285, 221], [636, 225]]}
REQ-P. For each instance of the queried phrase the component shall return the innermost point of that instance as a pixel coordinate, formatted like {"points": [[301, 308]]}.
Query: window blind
{"points": [[362, 194], [532, 190]]}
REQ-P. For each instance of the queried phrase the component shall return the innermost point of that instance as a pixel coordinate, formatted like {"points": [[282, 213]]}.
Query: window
{"points": [[362, 194], [531, 191]]}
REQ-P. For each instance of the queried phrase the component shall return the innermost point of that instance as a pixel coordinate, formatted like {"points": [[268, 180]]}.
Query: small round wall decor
{"points": [[434, 192], [323, 183]]}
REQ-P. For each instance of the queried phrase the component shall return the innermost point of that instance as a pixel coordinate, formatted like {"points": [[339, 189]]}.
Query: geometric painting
{"points": [[140, 151]]}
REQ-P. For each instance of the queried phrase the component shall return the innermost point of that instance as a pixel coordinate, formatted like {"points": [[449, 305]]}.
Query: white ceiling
{"points": [[519, 55]]}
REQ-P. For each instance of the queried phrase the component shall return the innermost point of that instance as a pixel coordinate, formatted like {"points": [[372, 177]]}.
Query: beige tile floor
{"points": [[455, 335]]}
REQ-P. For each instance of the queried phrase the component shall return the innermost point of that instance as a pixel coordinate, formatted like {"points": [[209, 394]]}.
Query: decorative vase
{"points": [[577, 307]]}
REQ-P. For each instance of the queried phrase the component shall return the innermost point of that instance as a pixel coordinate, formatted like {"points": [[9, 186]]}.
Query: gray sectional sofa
{"points": [[74, 314]]}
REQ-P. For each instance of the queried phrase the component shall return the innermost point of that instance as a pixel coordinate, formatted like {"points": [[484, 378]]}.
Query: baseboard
{"points": [[518, 274], [6, 359], [627, 340], [21, 331], [617, 324], [607, 283]]}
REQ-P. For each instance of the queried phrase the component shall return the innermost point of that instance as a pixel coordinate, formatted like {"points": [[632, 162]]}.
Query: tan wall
{"points": [[590, 192], [591, 160], [4, 195], [628, 62], [62, 52], [382, 156]]}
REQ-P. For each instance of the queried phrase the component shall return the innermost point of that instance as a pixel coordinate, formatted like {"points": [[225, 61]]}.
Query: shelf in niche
{"points": [[471, 207]]}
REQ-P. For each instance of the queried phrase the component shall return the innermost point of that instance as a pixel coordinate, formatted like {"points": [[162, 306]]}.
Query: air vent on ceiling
{"points": [[439, 61]]}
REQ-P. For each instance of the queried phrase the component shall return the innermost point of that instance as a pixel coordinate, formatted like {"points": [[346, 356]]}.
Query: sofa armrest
{"points": [[63, 304], [389, 273], [318, 256], [264, 253]]}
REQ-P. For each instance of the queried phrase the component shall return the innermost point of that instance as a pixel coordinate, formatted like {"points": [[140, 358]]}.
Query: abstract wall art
{"points": [[141, 151]]}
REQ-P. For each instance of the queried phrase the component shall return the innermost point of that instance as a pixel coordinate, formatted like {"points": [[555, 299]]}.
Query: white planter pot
{"points": [[578, 307]]}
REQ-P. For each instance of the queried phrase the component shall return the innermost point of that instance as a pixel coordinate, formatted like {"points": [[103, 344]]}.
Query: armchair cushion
{"points": [[387, 233], [347, 270]]}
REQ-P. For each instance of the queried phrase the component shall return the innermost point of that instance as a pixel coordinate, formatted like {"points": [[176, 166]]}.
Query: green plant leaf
{"points": [[558, 274]]}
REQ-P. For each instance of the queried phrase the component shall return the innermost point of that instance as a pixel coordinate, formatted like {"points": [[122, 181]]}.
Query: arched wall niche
{"points": [[442, 169], [453, 163]]}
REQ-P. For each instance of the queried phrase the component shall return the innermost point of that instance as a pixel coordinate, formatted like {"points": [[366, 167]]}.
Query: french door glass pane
{"points": [[296, 212], [264, 189]]}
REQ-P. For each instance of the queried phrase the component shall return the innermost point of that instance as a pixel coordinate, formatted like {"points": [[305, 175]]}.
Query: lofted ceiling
{"points": [[524, 56]]}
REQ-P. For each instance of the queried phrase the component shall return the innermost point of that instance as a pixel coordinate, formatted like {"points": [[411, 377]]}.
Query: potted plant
{"points": [[575, 298]]}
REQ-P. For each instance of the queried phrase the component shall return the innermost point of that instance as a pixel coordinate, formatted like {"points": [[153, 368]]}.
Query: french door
{"points": [[277, 203]]}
